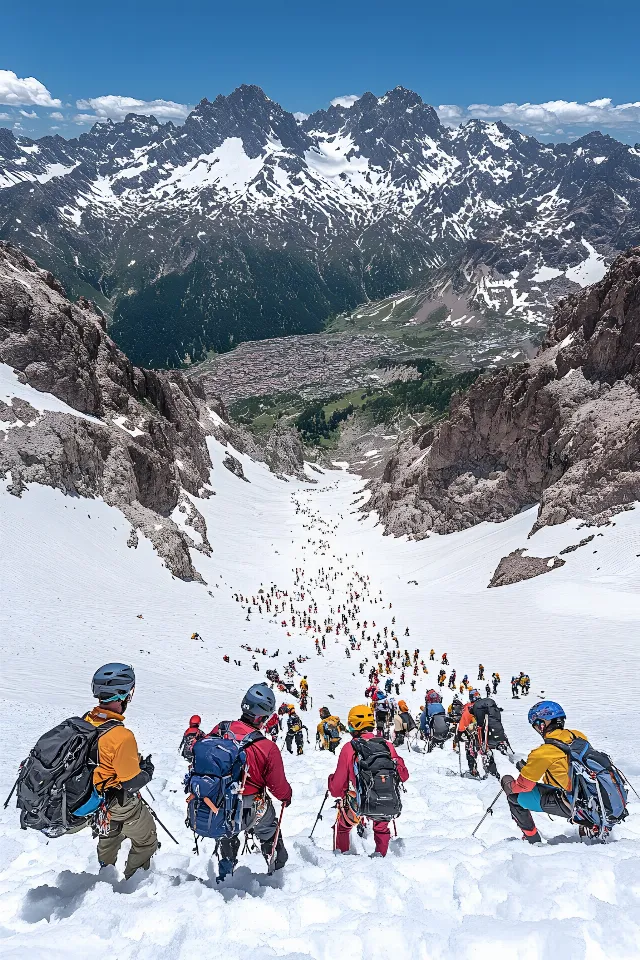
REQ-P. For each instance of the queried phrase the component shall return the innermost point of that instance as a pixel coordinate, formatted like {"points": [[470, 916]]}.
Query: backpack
{"points": [[439, 727], [330, 731], [215, 783], [408, 721], [377, 780], [487, 709], [598, 792], [57, 778], [187, 742]]}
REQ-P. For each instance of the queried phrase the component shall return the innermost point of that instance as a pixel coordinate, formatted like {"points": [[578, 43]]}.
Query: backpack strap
{"points": [[250, 738], [225, 731]]}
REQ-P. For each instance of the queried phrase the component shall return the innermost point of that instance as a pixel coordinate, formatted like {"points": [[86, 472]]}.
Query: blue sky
{"points": [[553, 69]]}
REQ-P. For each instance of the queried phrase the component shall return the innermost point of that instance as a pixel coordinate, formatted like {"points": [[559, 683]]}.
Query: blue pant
{"points": [[542, 799]]}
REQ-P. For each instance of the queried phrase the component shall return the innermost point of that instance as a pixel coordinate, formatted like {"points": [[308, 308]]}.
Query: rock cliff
{"points": [[562, 431], [134, 437]]}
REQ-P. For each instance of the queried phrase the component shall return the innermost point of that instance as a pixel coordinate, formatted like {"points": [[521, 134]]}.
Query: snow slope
{"points": [[72, 593]]}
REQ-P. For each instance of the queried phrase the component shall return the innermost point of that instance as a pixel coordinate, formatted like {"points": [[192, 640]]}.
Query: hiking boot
{"points": [[225, 868], [281, 852], [533, 838]]}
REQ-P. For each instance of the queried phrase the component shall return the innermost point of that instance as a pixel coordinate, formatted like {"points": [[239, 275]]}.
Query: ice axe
{"points": [[319, 817], [488, 811], [158, 820]]}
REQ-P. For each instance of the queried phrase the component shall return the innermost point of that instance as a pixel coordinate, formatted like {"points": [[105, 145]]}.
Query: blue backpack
{"points": [[598, 793], [215, 782]]}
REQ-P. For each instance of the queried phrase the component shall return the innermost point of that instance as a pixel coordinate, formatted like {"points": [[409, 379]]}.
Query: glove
{"points": [[520, 764], [287, 803], [147, 766], [507, 783]]}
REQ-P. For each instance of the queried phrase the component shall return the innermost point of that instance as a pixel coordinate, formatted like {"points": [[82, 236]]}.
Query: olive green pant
{"points": [[130, 820]]}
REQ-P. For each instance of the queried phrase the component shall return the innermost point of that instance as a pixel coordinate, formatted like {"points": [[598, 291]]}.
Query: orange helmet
{"points": [[361, 718], [403, 706]]}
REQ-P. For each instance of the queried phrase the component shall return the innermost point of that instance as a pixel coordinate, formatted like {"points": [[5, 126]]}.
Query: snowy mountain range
{"points": [[246, 222]]}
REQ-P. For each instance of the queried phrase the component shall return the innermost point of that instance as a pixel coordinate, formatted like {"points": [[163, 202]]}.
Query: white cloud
{"points": [[346, 101], [29, 116], [116, 108], [300, 116], [552, 117], [56, 115], [83, 118], [16, 91], [5, 116]]}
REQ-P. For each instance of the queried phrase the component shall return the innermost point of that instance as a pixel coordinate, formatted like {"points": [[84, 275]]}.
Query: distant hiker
{"points": [[264, 771], [455, 708], [433, 722], [514, 688], [487, 690], [445, 661], [495, 680], [480, 672], [403, 723], [295, 727], [329, 730], [481, 726], [577, 781], [121, 774], [189, 737], [372, 793], [432, 654], [382, 716], [272, 726]]}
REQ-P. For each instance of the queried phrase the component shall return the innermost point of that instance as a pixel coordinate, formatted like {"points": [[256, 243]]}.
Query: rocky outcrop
{"points": [[516, 567], [138, 439], [562, 431], [233, 465], [284, 453]]}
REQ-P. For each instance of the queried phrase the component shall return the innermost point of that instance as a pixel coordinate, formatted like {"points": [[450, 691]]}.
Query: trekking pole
{"points": [[628, 783], [150, 794], [460, 757], [272, 855], [158, 820], [319, 817], [488, 811], [13, 788]]}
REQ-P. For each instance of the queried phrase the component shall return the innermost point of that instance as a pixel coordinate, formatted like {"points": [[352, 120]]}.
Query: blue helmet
{"points": [[113, 681], [544, 711], [473, 696], [259, 702]]}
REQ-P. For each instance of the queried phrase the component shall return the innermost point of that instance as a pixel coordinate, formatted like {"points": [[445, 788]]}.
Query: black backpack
{"points": [[186, 744], [408, 720], [487, 712], [377, 780], [439, 727], [57, 777]]}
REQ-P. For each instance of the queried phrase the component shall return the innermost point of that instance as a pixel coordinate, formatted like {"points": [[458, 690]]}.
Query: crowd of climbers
{"points": [[236, 770]]}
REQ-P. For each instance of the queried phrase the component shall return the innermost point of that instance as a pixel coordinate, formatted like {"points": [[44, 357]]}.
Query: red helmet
{"points": [[433, 696], [195, 720]]}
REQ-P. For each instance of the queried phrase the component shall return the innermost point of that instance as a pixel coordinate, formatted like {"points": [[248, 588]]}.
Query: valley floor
{"points": [[74, 596]]}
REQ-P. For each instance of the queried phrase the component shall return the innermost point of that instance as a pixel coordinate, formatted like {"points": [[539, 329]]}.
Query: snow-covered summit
{"points": [[175, 228]]}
